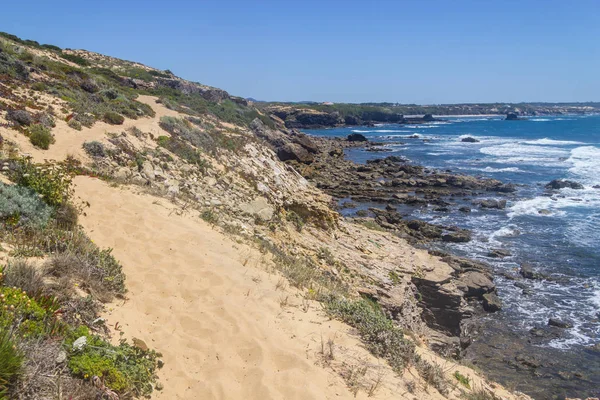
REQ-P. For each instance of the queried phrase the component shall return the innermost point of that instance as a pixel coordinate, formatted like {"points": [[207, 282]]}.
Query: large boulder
{"points": [[512, 117], [293, 151], [459, 236], [469, 139], [491, 302], [475, 284], [563, 183]]}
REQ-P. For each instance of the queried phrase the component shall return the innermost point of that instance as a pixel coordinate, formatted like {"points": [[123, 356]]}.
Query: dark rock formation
{"points": [[498, 253], [356, 137], [527, 272], [512, 117], [491, 302], [470, 140], [492, 203], [475, 284], [559, 324], [563, 183]]}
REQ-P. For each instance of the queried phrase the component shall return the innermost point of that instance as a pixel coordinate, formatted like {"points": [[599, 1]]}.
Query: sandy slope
{"points": [[199, 298], [69, 141]]}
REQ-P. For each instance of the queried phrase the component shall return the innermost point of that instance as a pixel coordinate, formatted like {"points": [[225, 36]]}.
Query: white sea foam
{"points": [[551, 142], [359, 131], [516, 153], [421, 126], [586, 164], [507, 169], [540, 119]]}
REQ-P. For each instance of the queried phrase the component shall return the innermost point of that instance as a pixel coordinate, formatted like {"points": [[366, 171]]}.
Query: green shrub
{"points": [[52, 183], [75, 124], [123, 368], [51, 47], [182, 150], [75, 59], [21, 117], [22, 206], [40, 136], [95, 149], [11, 361], [113, 118], [379, 333], [39, 87], [23, 313]]}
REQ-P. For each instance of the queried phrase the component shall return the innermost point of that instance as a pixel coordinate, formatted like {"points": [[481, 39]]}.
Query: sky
{"points": [[421, 52]]}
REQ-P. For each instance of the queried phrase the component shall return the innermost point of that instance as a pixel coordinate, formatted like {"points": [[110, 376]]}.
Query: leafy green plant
{"points": [[464, 380], [40, 136], [123, 368], [75, 59], [23, 312], [51, 182], [11, 361]]}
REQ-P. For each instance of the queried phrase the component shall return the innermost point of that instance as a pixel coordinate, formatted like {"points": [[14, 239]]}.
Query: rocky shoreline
{"points": [[455, 303]]}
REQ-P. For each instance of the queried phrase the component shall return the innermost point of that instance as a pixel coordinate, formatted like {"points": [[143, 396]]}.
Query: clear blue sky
{"points": [[344, 51]]}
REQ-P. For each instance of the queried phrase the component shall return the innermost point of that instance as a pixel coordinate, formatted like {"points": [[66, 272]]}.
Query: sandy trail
{"points": [[219, 323]]}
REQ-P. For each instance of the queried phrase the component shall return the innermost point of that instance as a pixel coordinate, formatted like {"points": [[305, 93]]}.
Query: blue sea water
{"points": [[563, 241]]}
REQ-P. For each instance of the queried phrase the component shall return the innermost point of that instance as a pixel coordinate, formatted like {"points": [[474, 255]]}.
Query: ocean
{"points": [[557, 232]]}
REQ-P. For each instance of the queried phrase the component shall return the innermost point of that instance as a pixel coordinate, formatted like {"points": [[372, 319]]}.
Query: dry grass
{"points": [[24, 275]]}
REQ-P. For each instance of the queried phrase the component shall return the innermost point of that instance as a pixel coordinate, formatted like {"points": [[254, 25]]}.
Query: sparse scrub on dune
{"points": [[75, 59], [40, 136], [378, 332], [183, 150], [185, 130], [21, 117], [75, 124]]}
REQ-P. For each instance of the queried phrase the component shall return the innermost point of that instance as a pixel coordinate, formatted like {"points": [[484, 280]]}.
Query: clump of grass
{"points": [[379, 333], [125, 369], [11, 361], [66, 216], [480, 394], [40, 136], [325, 254], [113, 118], [296, 220], [210, 216], [22, 274], [464, 380]]}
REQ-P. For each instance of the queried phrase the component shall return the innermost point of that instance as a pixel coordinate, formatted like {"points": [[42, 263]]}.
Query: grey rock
{"points": [[559, 323], [563, 183], [491, 302]]}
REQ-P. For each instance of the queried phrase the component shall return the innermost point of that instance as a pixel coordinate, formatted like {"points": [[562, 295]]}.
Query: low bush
{"points": [[21, 206], [185, 130], [379, 333], [21, 117], [51, 182], [75, 59], [11, 361], [295, 219], [113, 118], [123, 368], [95, 149], [40, 136], [182, 150]]}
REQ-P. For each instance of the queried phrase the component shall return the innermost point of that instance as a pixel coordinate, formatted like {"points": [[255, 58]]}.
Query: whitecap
{"points": [[540, 119], [507, 169], [359, 131], [551, 142], [586, 164]]}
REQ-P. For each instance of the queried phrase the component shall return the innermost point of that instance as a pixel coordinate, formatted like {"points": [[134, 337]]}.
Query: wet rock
{"points": [[544, 211], [492, 203], [521, 285], [362, 213], [527, 272], [512, 117], [465, 209], [470, 139], [356, 137], [348, 204], [528, 361], [491, 302], [499, 253], [559, 323], [563, 183], [461, 236], [389, 207]]}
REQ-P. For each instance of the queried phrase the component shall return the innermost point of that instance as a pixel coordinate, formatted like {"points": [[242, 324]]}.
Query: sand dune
{"points": [[219, 323]]}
